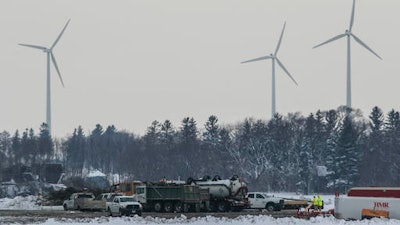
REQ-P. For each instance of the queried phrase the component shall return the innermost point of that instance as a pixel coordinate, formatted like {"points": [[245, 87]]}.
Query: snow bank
{"points": [[27, 203], [243, 220]]}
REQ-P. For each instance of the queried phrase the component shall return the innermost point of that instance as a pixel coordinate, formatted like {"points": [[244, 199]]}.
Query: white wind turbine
{"points": [[50, 54], [274, 58], [349, 34]]}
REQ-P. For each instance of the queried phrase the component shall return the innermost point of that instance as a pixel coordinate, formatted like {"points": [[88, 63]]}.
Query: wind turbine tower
{"points": [[50, 55], [274, 58], [348, 33]]}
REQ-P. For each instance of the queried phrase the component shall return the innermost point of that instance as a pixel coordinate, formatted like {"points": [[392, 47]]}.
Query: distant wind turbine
{"points": [[50, 54], [274, 58], [349, 34]]}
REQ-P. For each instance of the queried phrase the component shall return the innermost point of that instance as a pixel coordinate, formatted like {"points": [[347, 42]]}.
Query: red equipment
{"points": [[307, 214]]}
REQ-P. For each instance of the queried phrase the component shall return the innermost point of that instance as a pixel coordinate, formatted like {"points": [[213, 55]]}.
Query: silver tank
{"points": [[219, 188]]}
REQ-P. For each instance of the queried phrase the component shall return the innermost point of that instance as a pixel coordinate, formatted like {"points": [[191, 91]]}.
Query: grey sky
{"points": [[130, 62]]}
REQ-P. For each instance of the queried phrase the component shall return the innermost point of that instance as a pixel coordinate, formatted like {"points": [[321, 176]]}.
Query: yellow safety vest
{"points": [[319, 201], [315, 201]]}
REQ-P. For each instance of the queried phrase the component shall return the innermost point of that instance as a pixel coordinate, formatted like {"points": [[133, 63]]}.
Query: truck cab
{"points": [[124, 205], [261, 200]]}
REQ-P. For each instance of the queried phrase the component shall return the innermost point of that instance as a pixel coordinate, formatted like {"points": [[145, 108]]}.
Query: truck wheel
{"points": [[270, 207], [197, 207], [212, 207], [185, 208], [157, 206], [65, 207], [222, 207], [109, 212], [178, 207], [168, 207]]}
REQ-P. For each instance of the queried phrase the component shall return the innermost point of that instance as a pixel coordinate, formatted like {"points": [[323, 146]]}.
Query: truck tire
{"points": [[178, 207], [157, 206], [222, 206], [270, 207], [65, 207], [212, 207], [185, 208], [168, 207], [197, 207]]}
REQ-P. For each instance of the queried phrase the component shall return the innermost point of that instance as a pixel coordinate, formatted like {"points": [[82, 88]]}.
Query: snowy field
{"points": [[29, 203], [243, 220]]}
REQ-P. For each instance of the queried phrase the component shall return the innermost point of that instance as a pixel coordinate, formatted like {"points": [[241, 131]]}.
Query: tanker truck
{"points": [[225, 194]]}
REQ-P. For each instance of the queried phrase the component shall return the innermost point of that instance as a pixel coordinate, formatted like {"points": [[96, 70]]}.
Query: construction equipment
{"points": [[164, 197], [307, 214], [225, 194]]}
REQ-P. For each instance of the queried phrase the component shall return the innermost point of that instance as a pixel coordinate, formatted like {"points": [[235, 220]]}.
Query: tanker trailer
{"points": [[225, 194]]}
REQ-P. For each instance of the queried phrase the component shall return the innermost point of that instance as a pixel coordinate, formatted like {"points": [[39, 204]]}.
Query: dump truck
{"points": [[165, 197]]}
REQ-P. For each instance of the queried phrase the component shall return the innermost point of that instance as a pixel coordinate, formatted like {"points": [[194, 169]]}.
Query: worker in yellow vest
{"points": [[315, 202], [319, 202]]}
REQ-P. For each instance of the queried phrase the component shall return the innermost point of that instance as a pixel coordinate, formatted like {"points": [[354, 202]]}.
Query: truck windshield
{"points": [[127, 199], [85, 196], [140, 190]]}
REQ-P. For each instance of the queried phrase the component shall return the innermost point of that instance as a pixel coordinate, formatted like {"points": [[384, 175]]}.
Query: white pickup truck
{"points": [[124, 205], [83, 201], [261, 200]]}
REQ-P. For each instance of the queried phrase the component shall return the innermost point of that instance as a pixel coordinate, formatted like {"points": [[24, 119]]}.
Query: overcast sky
{"points": [[130, 62]]}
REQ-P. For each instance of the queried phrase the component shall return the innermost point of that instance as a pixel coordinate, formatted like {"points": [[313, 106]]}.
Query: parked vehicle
{"points": [[127, 188], [108, 197], [225, 194], [124, 205], [367, 202], [290, 203], [84, 201], [169, 197], [261, 200]]}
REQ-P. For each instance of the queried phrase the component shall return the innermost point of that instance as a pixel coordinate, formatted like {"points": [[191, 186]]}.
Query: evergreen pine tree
{"points": [[347, 155], [45, 143]]}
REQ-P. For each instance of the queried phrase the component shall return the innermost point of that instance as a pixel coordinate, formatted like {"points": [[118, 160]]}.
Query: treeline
{"points": [[324, 152]]}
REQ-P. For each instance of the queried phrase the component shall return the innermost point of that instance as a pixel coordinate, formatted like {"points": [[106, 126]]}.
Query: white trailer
{"points": [[350, 207]]}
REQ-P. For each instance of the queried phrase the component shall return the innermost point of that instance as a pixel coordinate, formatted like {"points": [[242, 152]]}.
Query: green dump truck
{"points": [[162, 197]]}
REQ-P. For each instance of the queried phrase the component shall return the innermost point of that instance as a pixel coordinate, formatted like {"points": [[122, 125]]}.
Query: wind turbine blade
{"points": [[258, 59], [287, 72], [59, 36], [365, 46], [34, 46], [55, 65], [280, 39], [330, 40], [352, 16]]}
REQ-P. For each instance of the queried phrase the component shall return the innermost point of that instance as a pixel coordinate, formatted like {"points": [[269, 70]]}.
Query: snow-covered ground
{"points": [[29, 203], [243, 220]]}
